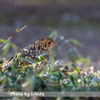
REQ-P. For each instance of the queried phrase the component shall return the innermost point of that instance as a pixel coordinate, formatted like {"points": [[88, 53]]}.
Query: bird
{"points": [[43, 45], [32, 51]]}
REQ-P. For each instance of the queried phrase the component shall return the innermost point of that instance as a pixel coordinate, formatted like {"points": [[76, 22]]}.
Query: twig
{"points": [[6, 41], [17, 30]]}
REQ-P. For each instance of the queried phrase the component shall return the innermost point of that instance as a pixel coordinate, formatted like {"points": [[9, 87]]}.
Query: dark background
{"points": [[78, 19]]}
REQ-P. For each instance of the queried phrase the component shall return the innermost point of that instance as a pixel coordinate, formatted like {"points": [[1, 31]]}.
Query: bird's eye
{"points": [[49, 42]]}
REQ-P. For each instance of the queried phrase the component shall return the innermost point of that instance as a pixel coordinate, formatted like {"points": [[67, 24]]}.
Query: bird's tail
{"points": [[9, 63]]}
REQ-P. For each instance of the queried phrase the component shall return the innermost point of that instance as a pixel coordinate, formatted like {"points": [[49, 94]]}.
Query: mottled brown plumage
{"points": [[40, 46]]}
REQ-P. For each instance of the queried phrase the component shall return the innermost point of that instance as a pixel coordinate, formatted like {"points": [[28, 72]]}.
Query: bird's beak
{"points": [[57, 43]]}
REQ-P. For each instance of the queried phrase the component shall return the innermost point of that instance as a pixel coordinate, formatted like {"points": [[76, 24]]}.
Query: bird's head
{"points": [[48, 43]]}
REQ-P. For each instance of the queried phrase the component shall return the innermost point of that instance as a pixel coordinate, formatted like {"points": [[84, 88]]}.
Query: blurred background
{"points": [[79, 20]]}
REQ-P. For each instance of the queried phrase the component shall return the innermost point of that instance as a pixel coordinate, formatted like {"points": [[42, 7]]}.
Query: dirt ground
{"points": [[78, 22]]}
